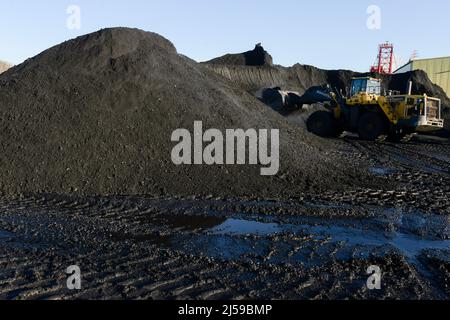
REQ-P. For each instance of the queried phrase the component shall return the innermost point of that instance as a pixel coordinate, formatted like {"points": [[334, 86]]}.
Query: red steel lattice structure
{"points": [[385, 60]]}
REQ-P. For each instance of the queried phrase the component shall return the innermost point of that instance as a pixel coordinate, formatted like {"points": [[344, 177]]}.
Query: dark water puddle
{"points": [[382, 171], [407, 244], [244, 227], [12, 240], [240, 238], [307, 240], [192, 223], [442, 158], [424, 226], [5, 235]]}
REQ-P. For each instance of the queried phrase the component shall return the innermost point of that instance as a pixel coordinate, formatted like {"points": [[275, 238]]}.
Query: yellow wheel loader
{"points": [[370, 114]]}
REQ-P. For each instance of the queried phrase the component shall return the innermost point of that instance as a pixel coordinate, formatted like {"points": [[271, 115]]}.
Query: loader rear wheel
{"points": [[371, 126], [338, 131], [321, 123]]}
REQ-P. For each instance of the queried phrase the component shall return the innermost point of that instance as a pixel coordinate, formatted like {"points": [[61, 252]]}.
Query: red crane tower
{"points": [[385, 60]]}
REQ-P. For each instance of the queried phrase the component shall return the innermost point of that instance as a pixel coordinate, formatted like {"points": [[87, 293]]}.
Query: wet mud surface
{"points": [[308, 247]]}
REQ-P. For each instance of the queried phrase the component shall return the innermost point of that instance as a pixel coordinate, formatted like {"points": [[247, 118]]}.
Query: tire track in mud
{"points": [[130, 267], [413, 175], [424, 157]]}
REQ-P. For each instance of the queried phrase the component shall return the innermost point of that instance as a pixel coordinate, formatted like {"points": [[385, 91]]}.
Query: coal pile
{"points": [[95, 115], [256, 57]]}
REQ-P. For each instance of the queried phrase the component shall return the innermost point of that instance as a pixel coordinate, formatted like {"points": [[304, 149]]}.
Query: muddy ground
{"points": [[309, 247]]}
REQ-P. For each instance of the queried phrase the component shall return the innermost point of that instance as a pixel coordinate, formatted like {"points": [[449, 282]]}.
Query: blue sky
{"points": [[328, 34]]}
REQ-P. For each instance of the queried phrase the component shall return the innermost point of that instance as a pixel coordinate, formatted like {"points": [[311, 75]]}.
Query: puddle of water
{"points": [[409, 245], [244, 227], [426, 225], [233, 248], [12, 240], [442, 158], [382, 171], [6, 235], [306, 240], [192, 223]]}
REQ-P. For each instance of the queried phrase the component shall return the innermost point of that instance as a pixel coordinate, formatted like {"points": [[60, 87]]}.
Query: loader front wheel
{"points": [[371, 126], [321, 123]]}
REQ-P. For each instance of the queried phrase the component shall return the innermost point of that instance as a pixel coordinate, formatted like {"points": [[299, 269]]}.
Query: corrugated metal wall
{"points": [[405, 68], [438, 71]]}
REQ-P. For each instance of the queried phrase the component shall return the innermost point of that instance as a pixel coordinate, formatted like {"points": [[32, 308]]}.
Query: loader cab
{"points": [[366, 85]]}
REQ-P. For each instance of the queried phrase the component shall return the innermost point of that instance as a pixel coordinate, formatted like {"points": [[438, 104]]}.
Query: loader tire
{"points": [[396, 137], [322, 124], [338, 131], [371, 126], [397, 134]]}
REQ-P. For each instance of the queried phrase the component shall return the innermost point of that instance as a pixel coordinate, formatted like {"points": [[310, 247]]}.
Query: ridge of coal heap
{"points": [[95, 115], [256, 58]]}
